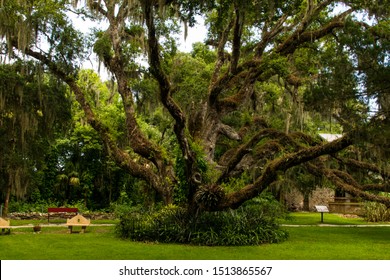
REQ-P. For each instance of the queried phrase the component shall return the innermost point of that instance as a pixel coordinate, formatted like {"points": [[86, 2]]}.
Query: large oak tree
{"points": [[322, 56]]}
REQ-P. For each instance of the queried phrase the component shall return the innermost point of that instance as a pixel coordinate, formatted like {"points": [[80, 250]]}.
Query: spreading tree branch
{"points": [[116, 65], [302, 35], [237, 34], [365, 166], [163, 81], [121, 157], [269, 175], [180, 127], [345, 182], [216, 84]]}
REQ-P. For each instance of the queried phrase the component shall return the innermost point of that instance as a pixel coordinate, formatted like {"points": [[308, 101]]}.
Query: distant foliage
{"points": [[41, 206], [24, 207], [248, 225], [376, 212]]}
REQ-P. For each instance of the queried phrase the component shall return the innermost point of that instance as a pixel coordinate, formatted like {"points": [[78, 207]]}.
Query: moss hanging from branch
{"points": [[18, 180], [28, 110]]}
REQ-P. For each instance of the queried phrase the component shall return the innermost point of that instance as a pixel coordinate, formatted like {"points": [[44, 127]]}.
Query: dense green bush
{"points": [[248, 225], [376, 212], [26, 207]]}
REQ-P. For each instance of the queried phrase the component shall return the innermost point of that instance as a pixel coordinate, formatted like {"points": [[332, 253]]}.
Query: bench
{"points": [[78, 220], [60, 210], [5, 224]]}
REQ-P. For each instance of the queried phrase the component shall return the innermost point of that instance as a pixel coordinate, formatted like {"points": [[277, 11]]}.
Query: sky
{"points": [[195, 34]]}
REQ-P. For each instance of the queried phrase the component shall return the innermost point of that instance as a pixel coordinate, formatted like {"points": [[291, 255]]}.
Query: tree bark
{"points": [[306, 201], [6, 201]]}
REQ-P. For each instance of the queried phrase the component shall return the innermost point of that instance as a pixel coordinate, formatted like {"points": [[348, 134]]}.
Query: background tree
{"points": [[79, 169], [33, 107]]}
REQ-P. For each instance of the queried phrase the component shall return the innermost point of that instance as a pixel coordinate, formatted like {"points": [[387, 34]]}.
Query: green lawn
{"points": [[305, 218], [100, 243]]}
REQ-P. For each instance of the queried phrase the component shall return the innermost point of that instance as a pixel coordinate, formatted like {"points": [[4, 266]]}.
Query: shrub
{"points": [[244, 226], [376, 212], [28, 207], [247, 225], [41, 206], [121, 209], [158, 225]]}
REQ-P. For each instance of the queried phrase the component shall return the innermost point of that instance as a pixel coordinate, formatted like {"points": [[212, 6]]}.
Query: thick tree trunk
{"points": [[306, 202], [6, 201], [180, 127]]}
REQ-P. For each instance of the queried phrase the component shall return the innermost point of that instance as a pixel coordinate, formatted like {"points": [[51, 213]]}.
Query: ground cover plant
{"points": [[245, 226], [376, 212], [252, 224]]}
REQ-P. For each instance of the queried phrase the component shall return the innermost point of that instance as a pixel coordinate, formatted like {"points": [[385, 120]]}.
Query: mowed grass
{"points": [[100, 243], [306, 218]]}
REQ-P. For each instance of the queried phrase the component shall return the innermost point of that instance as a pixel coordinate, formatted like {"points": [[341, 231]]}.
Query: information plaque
{"points": [[322, 209]]}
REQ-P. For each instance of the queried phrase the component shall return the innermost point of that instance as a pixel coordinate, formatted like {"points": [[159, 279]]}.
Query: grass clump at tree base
{"points": [[249, 225]]}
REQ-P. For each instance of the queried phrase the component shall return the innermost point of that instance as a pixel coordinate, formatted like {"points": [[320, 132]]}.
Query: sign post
{"points": [[322, 209]]}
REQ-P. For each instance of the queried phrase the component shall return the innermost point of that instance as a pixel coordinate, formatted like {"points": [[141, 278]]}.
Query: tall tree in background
{"points": [[33, 107], [260, 56]]}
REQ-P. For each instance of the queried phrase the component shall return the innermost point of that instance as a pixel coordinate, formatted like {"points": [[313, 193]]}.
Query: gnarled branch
{"points": [[270, 172], [345, 182]]}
